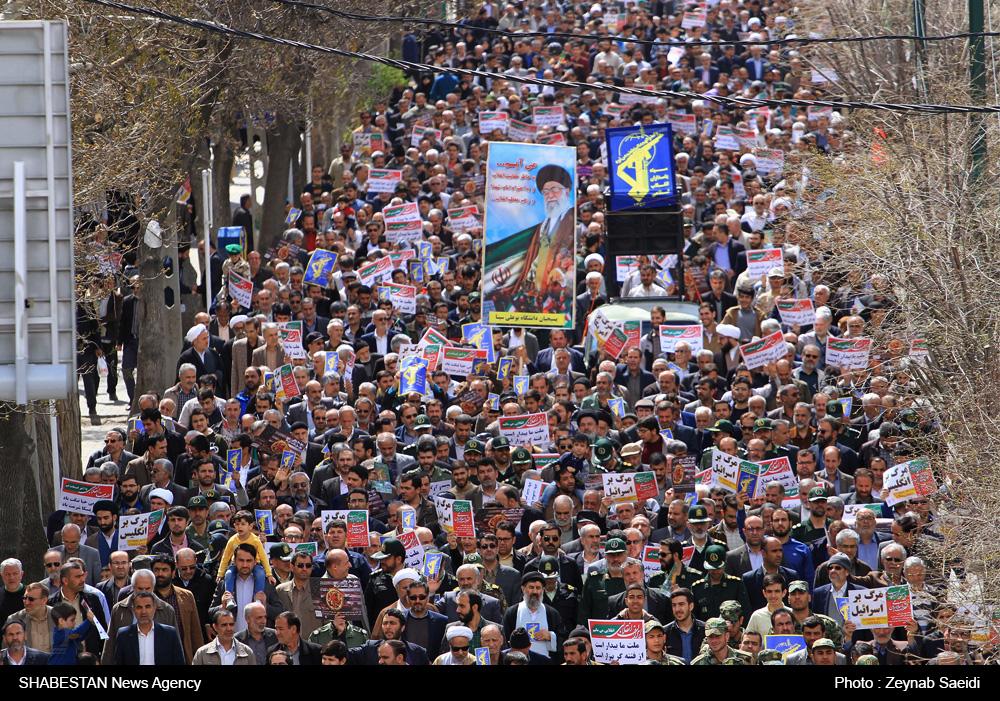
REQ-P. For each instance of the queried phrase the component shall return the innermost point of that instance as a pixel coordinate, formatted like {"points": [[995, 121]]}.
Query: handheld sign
{"points": [[265, 521]]}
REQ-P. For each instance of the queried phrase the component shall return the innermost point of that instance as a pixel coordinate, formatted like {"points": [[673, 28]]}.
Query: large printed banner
{"points": [[80, 497], [529, 270], [618, 641], [642, 166], [909, 480]]}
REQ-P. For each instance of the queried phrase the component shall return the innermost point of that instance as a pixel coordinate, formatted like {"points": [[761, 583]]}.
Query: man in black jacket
{"points": [[286, 628], [205, 359], [72, 577], [682, 604], [393, 625], [191, 576]]}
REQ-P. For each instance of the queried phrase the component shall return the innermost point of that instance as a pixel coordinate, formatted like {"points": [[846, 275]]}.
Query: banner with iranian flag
{"points": [[849, 353], [759, 263], [241, 289], [796, 311], [384, 180]]}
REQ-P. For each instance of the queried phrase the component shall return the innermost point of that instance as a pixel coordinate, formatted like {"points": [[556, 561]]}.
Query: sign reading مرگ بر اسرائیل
{"points": [[641, 168]]}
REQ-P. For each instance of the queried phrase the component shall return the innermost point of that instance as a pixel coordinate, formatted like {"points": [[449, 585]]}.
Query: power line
{"points": [[642, 42], [739, 102]]}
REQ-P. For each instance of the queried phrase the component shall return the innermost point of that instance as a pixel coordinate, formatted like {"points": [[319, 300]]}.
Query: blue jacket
{"points": [[799, 558], [436, 626]]}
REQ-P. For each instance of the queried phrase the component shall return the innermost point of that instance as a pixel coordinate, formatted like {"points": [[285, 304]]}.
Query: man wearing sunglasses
{"points": [[551, 536]]}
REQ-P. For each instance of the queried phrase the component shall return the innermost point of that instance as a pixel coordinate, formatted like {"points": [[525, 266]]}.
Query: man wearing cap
{"points": [[542, 621], [551, 536], [655, 644], [520, 462], [717, 586], [824, 598], [823, 653], [699, 522], [605, 461], [848, 434], [562, 597], [604, 583], [206, 360], [381, 592], [719, 652], [519, 266], [816, 525]]}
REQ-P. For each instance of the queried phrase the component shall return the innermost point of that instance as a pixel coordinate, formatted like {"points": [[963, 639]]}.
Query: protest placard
{"points": [[414, 550], [618, 641], [796, 311], [462, 519], [785, 644], [547, 116], [769, 160], [630, 486], [651, 560], [526, 430], [265, 521], [726, 139], [532, 491], [521, 131], [241, 289], [489, 517], [683, 122], [553, 139], [287, 384], [402, 212], [759, 263], [333, 597], [274, 441], [357, 525], [624, 266], [767, 350], [849, 353], [883, 607], [491, 121], [383, 180], [291, 339], [682, 472], [746, 483], [136, 530], [671, 335], [694, 20], [908, 480], [403, 232], [403, 297], [777, 470], [464, 218], [458, 361], [80, 497]]}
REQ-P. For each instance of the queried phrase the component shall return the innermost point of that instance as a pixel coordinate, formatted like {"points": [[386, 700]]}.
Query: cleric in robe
{"points": [[519, 268]]}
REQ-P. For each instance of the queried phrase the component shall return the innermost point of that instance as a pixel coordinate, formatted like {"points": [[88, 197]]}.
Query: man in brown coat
{"points": [[224, 650]]}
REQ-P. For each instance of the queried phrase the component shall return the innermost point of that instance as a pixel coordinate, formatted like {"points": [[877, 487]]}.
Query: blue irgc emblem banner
{"points": [[641, 166]]}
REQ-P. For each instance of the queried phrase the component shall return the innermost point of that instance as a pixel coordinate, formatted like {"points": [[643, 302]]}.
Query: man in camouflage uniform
{"points": [[717, 637], [770, 657], [717, 586], [732, 614], [476, 560], [655, 642]]}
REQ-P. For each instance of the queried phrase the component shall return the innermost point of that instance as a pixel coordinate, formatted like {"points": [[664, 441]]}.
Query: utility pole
{"points": [[977, 90]]}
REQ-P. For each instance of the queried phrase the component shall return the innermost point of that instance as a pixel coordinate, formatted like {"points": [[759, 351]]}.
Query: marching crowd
{"points": [[217, 583]]}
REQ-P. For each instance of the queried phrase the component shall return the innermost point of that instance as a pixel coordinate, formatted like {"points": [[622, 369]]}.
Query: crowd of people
{"points": [[211, 587]]}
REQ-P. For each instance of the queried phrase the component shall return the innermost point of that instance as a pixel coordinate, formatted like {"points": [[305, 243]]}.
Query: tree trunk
{"points": [[20, 517], [222, 171], [70, 459], [283, 143]]}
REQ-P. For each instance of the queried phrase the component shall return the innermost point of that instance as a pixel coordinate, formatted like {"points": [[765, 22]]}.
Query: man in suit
{"points": [[468, 580], [757, 64], [72, 547], [739, 560], [753, 581], [15, 651], [122, 614], [823, 598], [133, 648], [303, 652], [544, 361], [245, 558], [241, 350], [380, 340], [437, 623], [205, 359], [633, 377], [271, 353], [256, 635]]}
